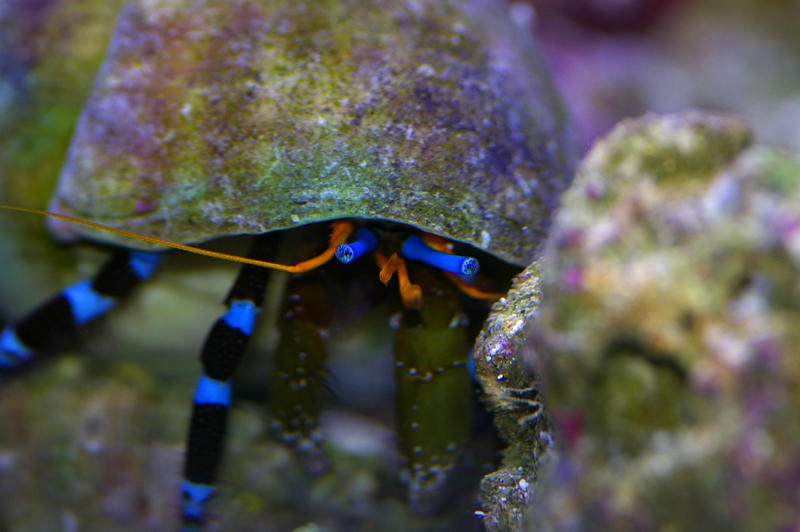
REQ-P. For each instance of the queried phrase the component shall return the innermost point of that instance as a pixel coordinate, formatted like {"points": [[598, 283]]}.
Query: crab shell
{"points": [[220, 117]]}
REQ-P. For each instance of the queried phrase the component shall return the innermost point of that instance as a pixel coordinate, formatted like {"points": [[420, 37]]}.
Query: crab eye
{"points": [[415, 249], [364, 243]]}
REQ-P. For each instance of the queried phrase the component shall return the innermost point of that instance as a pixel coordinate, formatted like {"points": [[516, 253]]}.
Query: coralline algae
{"points": [[668, 338]]}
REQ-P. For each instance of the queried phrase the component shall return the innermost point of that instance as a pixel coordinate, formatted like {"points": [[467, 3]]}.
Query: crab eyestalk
{"points": [[364, 243], [414, 248]]}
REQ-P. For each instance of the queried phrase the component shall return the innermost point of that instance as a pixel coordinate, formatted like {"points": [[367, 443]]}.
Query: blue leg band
{"points": [[86, 303]]}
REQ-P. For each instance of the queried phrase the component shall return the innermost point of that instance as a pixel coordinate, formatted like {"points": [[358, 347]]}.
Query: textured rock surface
{"points": [[511, 392], [99, 448], [668, 342]]}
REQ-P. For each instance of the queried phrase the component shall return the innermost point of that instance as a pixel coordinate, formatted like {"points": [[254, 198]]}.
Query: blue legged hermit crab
{"points": [[425, 134]]}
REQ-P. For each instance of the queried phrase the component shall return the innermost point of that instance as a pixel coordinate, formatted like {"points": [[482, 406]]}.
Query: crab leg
{"points": [[221, 354], [56, 318], [434, 392], [298, 383]]}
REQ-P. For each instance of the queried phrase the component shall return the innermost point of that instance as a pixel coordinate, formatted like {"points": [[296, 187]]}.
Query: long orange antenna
{"points": [[340, 231]]}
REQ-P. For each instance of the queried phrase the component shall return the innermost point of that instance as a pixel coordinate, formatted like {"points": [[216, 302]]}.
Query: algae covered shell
{"points": [[211, 118]]}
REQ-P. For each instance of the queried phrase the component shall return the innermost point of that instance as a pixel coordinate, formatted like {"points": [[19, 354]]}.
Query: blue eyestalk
{"points": [[364, 243], [415, 249]]}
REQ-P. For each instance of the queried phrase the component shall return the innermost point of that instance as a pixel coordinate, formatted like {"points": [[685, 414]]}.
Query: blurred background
{"points": [[621, 58]]}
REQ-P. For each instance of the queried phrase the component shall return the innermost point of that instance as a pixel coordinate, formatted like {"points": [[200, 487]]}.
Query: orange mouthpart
{"points": [[410, 293]]}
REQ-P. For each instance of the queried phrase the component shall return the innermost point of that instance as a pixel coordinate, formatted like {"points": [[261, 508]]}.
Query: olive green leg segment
{"points": [[434, 390], [298, 380]]}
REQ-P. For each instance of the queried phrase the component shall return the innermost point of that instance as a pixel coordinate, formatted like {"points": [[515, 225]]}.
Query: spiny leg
{"points": [[221, 354], [298, 383], [57, 318], [434, 391]]}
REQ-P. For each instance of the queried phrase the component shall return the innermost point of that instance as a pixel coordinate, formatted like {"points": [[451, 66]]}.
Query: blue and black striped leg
{"points": [[222, 352], [57, 318]]}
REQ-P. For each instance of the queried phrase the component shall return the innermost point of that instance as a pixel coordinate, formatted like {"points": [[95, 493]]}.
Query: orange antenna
{"points": [[340, 231], [471, 290]]}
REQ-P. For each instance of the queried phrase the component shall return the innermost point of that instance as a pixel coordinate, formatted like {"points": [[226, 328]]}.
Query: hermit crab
{"points": [[357, 139]]}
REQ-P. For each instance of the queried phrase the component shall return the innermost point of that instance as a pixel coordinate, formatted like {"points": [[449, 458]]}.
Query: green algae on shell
{"points": [[668, 338], [222, 117]]}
